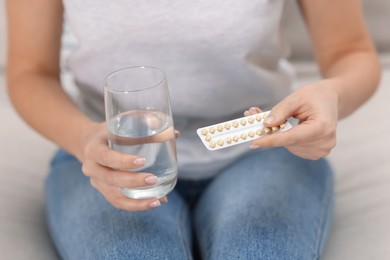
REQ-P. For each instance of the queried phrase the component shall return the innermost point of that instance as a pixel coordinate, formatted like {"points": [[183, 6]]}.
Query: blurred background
{"points": [[361, 160], [2, 49]]}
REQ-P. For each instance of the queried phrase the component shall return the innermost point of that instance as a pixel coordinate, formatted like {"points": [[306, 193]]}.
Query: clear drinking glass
{"points": [[139, 122]]}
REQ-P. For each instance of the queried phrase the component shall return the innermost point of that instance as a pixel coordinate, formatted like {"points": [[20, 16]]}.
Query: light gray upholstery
{"points": [[361, 228]]}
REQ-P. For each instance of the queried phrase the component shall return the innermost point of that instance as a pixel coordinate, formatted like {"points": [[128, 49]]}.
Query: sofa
{"points": [[361, 160]]}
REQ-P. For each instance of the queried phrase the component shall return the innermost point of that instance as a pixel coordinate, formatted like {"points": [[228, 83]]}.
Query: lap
{"points": [[84, 225], [268, 205]]}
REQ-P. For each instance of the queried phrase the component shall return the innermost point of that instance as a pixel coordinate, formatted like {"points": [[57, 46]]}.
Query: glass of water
{"points": [[139, 122]]}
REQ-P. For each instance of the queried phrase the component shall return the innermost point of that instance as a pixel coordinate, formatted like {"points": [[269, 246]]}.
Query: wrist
{"points": [[86, 132], [339, 87]]}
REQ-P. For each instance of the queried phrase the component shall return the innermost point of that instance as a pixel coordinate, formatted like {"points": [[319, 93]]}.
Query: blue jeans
{"points": [[269, 204]]}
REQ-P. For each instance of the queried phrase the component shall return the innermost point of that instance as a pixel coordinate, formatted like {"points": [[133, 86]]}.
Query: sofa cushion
{"points": [[361, 226], [376, 13], [23, 167]]}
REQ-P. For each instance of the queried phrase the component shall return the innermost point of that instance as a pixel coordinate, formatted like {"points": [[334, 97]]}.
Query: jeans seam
{"points": [[325, 211]]}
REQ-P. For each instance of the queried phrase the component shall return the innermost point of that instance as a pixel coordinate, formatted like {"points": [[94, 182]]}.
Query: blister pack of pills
{"points": [[238, 131]]}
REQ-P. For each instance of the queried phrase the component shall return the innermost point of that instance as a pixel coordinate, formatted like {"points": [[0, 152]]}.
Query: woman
{"points": [[221, 58]]}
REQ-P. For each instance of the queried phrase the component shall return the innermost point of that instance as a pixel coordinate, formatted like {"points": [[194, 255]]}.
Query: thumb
{"points": [[280, 113]]}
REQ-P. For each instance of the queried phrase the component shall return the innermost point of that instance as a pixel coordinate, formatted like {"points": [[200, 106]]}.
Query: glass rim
{"points": [[106, 79]]}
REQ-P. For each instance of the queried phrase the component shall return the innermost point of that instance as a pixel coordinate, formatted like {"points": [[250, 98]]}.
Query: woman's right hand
{"points": [[99, 164]]}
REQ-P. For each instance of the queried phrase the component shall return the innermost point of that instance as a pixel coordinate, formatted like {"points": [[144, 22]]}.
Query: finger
{"points": [[281, 112], [164, 199], [163, 136], [120, 201], [118, 178], [114, 159], [177, 134], [252, 111], [298, 134], [138, 204]]}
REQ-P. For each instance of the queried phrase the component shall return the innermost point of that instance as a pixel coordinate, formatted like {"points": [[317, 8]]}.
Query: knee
{"points": [[259, 243], [250, 234], [123, 245]]}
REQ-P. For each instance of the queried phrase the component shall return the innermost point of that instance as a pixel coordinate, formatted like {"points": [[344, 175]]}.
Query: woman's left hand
{"points": [[316, 107]]}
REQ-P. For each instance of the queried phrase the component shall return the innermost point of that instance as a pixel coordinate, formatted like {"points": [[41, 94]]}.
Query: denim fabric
{"points": [[269, 204]]}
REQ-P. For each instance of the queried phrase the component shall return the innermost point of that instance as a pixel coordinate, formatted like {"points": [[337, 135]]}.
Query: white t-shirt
{"points": [[220, 57]]}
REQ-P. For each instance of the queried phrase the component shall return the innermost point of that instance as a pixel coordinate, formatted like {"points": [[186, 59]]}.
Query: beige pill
{"points": [[208, 138], [229, 140], [220, 142], [227, 126], [243, 136], [243, 122], [212, 144], [204, 132], [220, 128], [235, 124], [275, 128], [265, 116], [212, 130], [282, 126], [251, 134], [258, 118], [267, 130], [236, 138], [251, 120], [259, 132]]}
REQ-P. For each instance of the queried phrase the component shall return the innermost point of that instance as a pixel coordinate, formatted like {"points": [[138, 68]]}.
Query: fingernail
{"points": [[151, 179], [253, 146], [165, 200], [155, 204], [270, 119], [246, 113], [139, 161]]}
